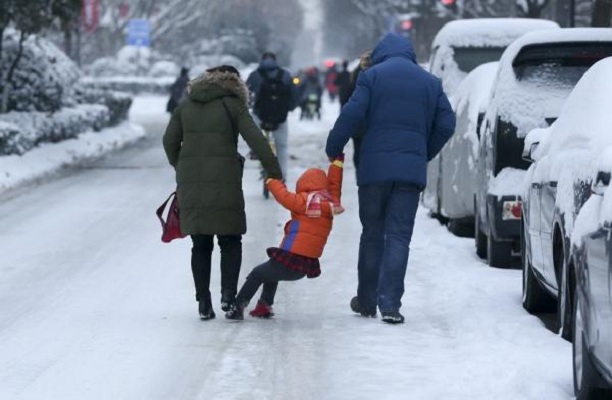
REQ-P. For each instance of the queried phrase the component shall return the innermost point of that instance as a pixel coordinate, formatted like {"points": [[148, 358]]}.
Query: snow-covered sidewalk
{"points": [[94, 306], [48, 158]]}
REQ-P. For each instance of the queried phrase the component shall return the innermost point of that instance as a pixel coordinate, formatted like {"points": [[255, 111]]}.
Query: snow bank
{"points": [[49, 158], [37, 127], [581, 134], [481, 32], [527, 104]]}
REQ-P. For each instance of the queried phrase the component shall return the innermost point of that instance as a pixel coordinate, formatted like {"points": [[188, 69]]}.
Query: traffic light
{"points": [[404, 25]]}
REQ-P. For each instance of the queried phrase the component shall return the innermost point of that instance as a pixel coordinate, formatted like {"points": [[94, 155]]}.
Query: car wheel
{"points": [[535, 299], [479, 237], [459, 227], [499, 254], [587, 381]]}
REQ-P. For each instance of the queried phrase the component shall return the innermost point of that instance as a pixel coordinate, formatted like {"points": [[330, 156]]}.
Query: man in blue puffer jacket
{"points": [[408, 120]]}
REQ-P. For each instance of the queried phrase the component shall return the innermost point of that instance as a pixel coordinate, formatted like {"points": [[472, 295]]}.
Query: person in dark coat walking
{"points": [[269, 69], [201, 144], [408, 119], [178, 90], [343, 82]]}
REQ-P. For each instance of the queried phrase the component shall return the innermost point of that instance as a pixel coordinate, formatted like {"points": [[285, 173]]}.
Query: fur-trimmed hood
{"points": [[212, 85]]}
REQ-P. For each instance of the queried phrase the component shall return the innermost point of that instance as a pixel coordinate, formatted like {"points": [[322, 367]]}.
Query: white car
{"points": [[458, 48]]}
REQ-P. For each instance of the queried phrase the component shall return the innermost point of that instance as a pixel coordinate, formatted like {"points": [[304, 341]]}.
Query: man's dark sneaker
{"points": [[363, 311], [262, 310], [227, 301], [205, 309], [392, 317], [236, 313]]}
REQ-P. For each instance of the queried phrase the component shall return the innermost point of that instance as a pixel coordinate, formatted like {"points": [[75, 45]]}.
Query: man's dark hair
{"points": [[267, 55], [224, 68], [184, 71]]}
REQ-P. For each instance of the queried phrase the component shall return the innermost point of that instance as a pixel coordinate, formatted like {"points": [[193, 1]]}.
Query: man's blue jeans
{"points": [[387, 211]]}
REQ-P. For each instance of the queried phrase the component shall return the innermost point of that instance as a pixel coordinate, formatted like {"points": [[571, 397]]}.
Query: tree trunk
{"points": [[8, 77], [602, 13], [67, 29]]}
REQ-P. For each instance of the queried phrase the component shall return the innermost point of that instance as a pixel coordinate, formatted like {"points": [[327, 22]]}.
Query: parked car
{"points": [[592, 301], [458, 158], [556, 190], [536, 75], [458, 48]]}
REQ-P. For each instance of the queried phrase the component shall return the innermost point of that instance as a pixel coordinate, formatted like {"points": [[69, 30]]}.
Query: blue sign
{"points": [[139, 33]]}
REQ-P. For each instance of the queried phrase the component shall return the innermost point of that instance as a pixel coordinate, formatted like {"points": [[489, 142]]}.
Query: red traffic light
{"points": [[448, 2]]}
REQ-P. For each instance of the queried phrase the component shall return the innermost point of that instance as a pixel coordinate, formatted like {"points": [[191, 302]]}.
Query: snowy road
{"points": [[94, 306]]}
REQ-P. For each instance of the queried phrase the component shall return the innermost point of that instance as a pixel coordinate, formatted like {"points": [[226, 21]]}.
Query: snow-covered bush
{"points": [[44, 78], [22, 131], [118, 103]]}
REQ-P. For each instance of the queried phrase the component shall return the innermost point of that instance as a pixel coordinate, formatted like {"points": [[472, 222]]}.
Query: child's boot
{"points": [[262, 310]]}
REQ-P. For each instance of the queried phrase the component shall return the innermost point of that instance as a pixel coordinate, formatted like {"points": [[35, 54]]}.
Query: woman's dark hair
{"points": [[224, 68]]}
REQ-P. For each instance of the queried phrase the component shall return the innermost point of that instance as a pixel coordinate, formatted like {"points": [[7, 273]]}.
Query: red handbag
{"points": [[172, 225]]}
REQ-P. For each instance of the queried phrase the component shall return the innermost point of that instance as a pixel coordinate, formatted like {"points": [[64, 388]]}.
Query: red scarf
{"points": [[313, 204]]}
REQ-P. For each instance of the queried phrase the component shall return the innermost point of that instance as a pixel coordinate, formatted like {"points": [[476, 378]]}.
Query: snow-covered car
{"points": [[458, 158], [458, 48], [555, 191], [592, 303], [536, 75]]}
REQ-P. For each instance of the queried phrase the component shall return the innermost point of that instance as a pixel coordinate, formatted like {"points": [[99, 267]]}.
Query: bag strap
{"points": [[160, 210]]}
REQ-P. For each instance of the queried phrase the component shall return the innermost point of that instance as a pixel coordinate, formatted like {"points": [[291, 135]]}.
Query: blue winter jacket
{"points": [[407, 117]]}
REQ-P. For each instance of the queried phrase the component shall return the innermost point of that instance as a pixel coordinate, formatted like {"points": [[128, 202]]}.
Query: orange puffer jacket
{"points": [[306, 235]]}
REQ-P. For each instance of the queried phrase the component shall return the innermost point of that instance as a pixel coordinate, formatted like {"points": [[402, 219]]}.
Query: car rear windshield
{"points": [[558, 64], [468, 58]]}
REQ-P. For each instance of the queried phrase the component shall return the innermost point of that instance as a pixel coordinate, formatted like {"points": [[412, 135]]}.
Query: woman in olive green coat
{"points": [[201, 144]]}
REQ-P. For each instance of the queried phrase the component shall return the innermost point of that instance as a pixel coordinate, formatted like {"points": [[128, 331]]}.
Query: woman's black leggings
{"points": [[201, 258]]}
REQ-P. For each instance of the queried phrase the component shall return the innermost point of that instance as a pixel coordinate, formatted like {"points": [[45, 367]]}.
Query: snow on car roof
{"points": [[475, 90], [528, 106], [494, 32], [581, 134]]}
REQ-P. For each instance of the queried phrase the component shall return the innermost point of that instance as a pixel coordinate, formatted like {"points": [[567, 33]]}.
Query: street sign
{"points": [[139, 33]]}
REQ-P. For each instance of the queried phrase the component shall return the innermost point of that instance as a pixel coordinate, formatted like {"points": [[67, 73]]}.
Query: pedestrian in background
{"points": [[408, 119], [274, 96], [343, 82], [178, 90], [201, 144]]}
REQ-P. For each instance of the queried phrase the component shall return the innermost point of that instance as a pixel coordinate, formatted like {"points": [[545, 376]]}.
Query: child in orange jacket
{"points": [[313, 207]]}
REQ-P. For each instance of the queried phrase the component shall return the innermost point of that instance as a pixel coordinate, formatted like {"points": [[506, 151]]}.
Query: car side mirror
{"points": [[528, 154], [601, 183]]}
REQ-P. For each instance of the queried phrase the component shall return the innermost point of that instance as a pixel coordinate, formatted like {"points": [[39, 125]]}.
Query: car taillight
{"points": [[512, 210]]}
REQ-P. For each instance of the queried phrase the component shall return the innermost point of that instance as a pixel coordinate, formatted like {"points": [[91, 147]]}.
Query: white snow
{"points": [[48, 158], [481, 32], [527, 104], [474, 93], [506, 182], [488, 32], [581, 134], [94, 306]]}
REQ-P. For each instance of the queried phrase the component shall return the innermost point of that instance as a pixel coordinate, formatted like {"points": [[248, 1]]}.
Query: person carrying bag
{"points": [[201, 144]]}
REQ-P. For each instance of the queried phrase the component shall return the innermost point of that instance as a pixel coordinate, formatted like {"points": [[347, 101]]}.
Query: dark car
{"points": [[536, 75]]}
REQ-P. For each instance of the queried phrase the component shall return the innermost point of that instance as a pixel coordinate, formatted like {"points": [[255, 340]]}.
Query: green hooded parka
{"points": [[201, 143]]}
